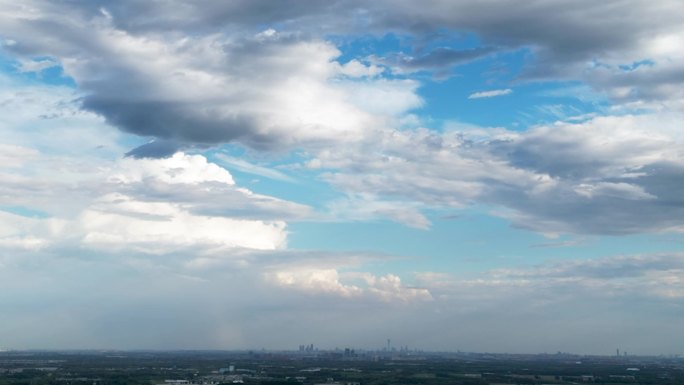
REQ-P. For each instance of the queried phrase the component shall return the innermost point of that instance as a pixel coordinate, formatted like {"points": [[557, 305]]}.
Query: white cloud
{"points": [[177, 169], [207, 189], [490, 94], [356, 69], [365, 207], [20, 232], [36, 65], [315, 281], [157, 205], [12, 156], [618, 190], [383, 97], [117, 222]]}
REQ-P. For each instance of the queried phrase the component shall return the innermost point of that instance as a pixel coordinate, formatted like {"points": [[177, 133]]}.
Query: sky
{"points": [[488, 176]]}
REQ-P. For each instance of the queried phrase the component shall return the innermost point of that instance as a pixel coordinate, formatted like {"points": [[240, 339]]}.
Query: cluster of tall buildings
{"points": [[307, 348]]}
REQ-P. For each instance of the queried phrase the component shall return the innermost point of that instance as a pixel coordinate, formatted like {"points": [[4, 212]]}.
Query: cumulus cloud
{"points": [[207, 188], [267, 90], [329, 281], [41, 171], [156, 206], [109, 203], [119, 222]]}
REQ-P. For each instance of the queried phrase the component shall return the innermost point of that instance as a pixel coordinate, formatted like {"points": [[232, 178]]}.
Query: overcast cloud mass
{"points": [[473, 175]]}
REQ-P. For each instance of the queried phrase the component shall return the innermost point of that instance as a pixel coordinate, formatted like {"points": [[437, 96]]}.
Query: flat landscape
{"points": [[337, 367]]}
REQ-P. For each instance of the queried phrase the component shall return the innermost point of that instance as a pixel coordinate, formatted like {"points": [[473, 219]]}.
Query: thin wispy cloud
{"points": [[251, 168], [490, 94]]}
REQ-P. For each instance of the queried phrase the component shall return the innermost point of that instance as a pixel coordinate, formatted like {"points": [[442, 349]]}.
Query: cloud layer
{"points": [[186, 86]]}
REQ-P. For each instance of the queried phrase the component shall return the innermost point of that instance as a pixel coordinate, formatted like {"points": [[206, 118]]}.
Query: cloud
{"points": [[269, 90], [98, 201], [121, 223], [12, 156], [250, 168], [157, 206], [623, 279], [189, 82], [490, 94], [207, 189], [158, 148], [560, 178], [440, 60], [631, 267], [365, 207], [607, 175], [36, 65], [386, 288], [566, 44], [89, 196]]}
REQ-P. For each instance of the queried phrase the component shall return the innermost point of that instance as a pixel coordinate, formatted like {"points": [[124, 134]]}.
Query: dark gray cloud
{"points": [[575, 40], [564, 210], [177, 125], [155, 149], [440, 60], [255, 86], [572, 30], [609, 176], [613, 268], [211, 15]]}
